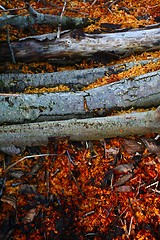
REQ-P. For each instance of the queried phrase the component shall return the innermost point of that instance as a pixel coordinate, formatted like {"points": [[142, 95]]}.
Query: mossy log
{"points": [[36, 134], [139, 92], [74, 79], [75, 45]]}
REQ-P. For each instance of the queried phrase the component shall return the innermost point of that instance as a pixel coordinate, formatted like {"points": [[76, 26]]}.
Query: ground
{"points": [[106, 189]]}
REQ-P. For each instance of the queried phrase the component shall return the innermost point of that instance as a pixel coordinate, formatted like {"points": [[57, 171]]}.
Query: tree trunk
{"points": [[139, 92], [35, 134], [75, 46], [75, 79]]}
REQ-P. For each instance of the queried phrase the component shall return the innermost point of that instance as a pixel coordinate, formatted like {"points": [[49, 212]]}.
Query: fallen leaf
{"points": [[122, 180], [30, 216], [124, 167], [124, 189], [132, 146]]}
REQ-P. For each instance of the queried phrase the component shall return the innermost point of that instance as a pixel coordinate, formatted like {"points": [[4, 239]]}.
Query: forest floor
{"points": [[106, 189]]}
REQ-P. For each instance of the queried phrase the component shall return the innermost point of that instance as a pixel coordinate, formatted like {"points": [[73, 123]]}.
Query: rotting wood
{"points": [[35, 134], [75, 79], [76, 45], [139, 92]]}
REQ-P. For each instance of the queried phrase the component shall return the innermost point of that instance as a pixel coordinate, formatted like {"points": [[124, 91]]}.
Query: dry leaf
{"points": [[10, 200], [122, 180], [112, 151], [152, 146], [133, 146], [30, 216], [124, 188], [124, 167]]}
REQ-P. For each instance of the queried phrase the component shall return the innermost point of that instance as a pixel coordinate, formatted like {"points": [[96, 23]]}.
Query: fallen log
{"points": [[76, 45], [75, 79], [36, 134], [139, 92], [35, 17]]}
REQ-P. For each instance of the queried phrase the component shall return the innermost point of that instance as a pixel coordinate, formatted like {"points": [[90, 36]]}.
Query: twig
{"points": [[88, 214], [2, 8], [60, 21], [156, 186], [130, 226], [93, 3], [10, 47], [31, 10], [47, 183], [32, 156], [55, 172], [139, 186], [136, 219], [155, 183], [118, 217], [74, 179], [70, 159]]}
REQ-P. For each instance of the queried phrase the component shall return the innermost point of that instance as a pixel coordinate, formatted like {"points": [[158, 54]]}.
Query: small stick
{"points": [[55, 172], [155, 183], [60, 21], [118, 217], [47, 183], [31, 10], [135, 217], [88, 214], [32, 156], [130, 226], [156, 186], [70, 159], [10, 47], [93, 3], [75, 180]]}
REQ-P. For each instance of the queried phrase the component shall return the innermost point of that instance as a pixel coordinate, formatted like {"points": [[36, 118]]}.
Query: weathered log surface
{"points": [[74, 46], [75, 79], [34, 17], [142, 91], [35, 134]]}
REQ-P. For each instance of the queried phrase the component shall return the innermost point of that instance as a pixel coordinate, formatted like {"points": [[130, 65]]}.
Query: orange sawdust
{"points": [[74, 195], [131, 73], [59, 88], [83, 201]]}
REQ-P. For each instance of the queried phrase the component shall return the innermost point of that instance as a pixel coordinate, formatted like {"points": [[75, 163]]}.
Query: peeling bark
{"points": [[139, 92], [34, 134], [75, 46], [75, 79]]}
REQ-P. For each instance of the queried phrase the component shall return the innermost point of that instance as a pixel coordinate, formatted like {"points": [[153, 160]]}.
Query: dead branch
{"points": [[139, 92], [75, 79], [35, 17], [34, 134], [75, 45]]}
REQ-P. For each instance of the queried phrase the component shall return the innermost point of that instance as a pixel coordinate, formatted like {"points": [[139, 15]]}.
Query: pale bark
{"points": [[75, 79], [75, 46], [139, 92], [35, 17], [34, 134]]}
